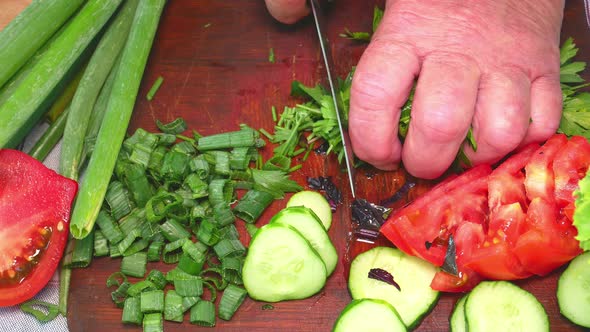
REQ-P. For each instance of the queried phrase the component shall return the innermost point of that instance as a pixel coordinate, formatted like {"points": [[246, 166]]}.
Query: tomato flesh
{"points": [[507, 224], [34, 221]]}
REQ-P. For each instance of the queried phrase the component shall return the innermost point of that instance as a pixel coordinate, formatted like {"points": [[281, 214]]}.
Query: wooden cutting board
{"points": [[213, 56]]}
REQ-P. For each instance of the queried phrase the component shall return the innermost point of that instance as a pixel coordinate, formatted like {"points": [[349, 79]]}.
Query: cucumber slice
{"points": [[282, 265], [503, 306], [307, 223], [457, 320], [316, 202], [573, 291], [413, 275], [369, 315]]}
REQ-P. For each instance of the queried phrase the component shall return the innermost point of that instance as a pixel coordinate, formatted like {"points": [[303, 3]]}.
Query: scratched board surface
{"points": [[213, 56]]}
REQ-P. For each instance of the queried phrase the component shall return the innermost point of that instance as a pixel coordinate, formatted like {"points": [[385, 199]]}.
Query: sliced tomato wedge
{"points": [[539, 172], [570, 166], [509, 223], [34, 222], [547, 243]]}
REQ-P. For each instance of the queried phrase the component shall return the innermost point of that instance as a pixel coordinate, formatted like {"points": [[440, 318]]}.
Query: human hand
{"points": [[491, 65]]}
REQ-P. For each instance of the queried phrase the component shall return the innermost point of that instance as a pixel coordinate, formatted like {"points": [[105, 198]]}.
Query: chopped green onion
{"points": [[114, 251], [158, 206], [81, 254], [120, 294], [220, 191], [278, 162], [153, 323], [211, 288], [132, 311], [203, 314], [173, 230], [128, 240], [266, 133], [198, 187], [132, 221], [134, 265], [252, 205], [175, 165], [117, 197], [116, 279], [171, 251], [245, 137], [140, 287], [40, 315], [185, 147], [227, 248], [137, 182], [221, 162], [271, 55], [223, 215], [157, 278], [239, 158], [231, 269], [274, 182], [101, 244], [152, 301], [175, 127], [155, 250], [274, 113], [197, 251], [295, 168], [232, 298], [188, 302], [150, 95], [109, 227], [189, 287], [189, 265], [200, 166], [208, 232], [173, 309], [136, 246]]}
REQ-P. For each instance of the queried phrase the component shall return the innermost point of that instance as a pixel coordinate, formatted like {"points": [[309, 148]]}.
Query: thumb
{"points": [[287, 11]]}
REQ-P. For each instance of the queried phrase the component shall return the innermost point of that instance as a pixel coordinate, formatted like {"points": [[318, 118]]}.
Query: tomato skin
{"points": [[446, 282], [33, 199]]}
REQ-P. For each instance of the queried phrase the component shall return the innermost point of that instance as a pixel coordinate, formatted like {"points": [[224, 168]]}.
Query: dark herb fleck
{"points": [[450, 264], [428, 245], [323, 148], [268, 307], [386, 277], [369, 215], [332, 193], [401, 193]]}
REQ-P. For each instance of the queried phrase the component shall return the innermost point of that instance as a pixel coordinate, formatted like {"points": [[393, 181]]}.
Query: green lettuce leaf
{"points": [[582, 212]]}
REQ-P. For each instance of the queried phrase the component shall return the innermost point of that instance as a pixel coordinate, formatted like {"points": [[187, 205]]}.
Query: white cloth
{"points": [[12, 319]]}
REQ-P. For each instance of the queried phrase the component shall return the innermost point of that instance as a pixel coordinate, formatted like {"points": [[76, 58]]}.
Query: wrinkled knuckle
{"points": [[367, 90], [441, 127], [505, 138]]}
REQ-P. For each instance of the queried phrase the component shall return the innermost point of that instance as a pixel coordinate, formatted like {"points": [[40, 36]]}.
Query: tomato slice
{"points": [[547, 243], [446, 282], [570, 166], [34, 223], [509, 223], [539, 172], [423, 227]]}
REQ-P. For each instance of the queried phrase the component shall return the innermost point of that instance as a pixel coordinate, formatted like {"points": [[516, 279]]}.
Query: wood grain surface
{"points": [[213, 56]]}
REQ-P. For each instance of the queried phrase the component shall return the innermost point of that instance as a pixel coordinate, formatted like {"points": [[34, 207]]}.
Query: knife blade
{"points": [[318, 17]]}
